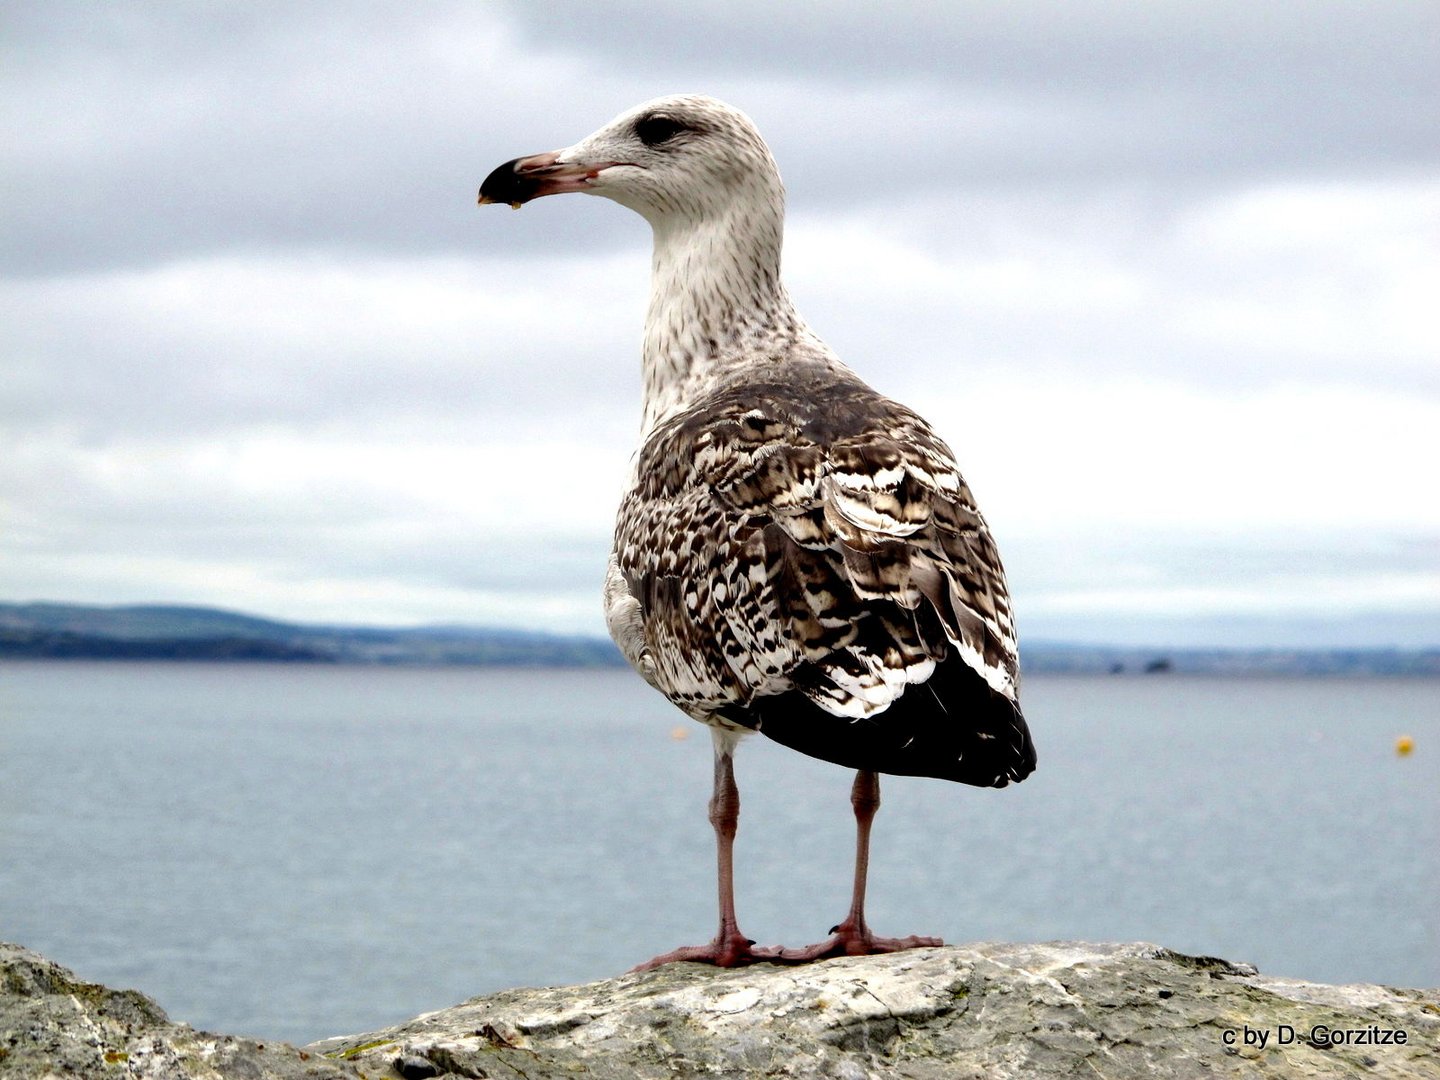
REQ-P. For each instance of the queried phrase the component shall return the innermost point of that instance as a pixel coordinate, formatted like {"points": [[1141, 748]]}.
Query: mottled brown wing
{"points": [[826, 544]]}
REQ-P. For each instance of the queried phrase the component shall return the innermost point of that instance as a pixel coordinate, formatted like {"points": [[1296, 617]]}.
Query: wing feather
{"points": [[823, 542]]}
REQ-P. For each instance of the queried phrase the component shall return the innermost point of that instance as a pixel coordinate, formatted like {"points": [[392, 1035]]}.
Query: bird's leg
{"points": [[852, 937], [730, 948]]}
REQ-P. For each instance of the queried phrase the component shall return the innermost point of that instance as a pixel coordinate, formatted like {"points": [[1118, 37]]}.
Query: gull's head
{"points": [[680, 157]]}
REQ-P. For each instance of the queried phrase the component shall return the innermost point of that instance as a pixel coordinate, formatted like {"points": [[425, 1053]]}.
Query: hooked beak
{"points": [[517, 182]]}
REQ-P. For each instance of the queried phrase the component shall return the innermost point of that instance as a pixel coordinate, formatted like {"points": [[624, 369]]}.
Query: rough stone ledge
{"points": [[1060, 1009]]}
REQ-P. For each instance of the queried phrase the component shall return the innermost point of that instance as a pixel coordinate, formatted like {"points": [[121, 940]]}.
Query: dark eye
{"points": [[654, 130]]}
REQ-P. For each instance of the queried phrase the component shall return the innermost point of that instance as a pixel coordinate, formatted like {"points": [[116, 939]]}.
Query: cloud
{"points": [[254, 342], [1161, 274], [1234, 289], [160, 134], [1044, 92], [154, 133]]}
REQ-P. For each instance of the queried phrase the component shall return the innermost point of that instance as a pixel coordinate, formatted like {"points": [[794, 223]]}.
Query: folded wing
{"points": [[813, 566]]}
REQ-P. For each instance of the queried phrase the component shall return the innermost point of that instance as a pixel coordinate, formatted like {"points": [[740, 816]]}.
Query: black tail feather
{"points": [[953, 727]]}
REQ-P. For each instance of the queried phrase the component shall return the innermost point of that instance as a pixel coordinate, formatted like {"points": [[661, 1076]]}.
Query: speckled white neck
{"points": [[716, 301]]}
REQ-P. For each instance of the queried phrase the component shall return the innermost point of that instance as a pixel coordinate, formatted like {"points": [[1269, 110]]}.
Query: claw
{"points": [[851, 939], [733, 953]]}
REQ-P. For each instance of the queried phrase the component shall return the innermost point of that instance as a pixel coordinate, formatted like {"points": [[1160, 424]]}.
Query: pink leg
{"points": [[730, 948], [852, 937]]}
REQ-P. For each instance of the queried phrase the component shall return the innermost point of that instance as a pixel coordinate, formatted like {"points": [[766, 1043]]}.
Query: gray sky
{"points": [[1164, 275]]}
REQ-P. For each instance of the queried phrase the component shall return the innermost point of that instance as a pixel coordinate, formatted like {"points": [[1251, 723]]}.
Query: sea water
{"points": [[293, 852]]}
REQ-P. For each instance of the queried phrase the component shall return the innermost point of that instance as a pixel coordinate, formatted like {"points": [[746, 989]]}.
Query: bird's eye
{"points": [[654, 130]]}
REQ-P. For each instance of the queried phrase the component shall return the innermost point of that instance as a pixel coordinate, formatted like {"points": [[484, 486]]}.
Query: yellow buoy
{"points": [[1404, 744]]}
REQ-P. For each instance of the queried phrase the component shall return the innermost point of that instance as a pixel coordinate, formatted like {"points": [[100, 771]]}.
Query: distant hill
{"points": [[155, 632], [1060, 658], [170, 632]]}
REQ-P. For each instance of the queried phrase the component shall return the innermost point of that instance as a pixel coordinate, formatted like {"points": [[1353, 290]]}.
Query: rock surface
{"points": [[54, 1025], [982, 1011]]}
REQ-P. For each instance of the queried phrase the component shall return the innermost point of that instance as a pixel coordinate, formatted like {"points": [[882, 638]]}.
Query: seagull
{"points": [[796, 554]]}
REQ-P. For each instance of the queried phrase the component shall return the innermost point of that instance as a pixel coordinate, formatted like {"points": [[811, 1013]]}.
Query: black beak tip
{"points": [[505, 185]]}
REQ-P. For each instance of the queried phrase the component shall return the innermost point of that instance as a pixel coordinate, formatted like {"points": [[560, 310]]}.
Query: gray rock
{"points": [[54, 1025], [982, 1011]]}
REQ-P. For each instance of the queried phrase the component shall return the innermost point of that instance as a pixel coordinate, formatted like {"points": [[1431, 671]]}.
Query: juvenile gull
{"points": [[796, 554]]}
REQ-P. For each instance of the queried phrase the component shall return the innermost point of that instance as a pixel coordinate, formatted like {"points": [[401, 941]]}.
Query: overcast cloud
{"points": [[1164, 275]]}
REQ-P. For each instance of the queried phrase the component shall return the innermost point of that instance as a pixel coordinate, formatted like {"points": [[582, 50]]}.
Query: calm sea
{"points": [[297, 852]]}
